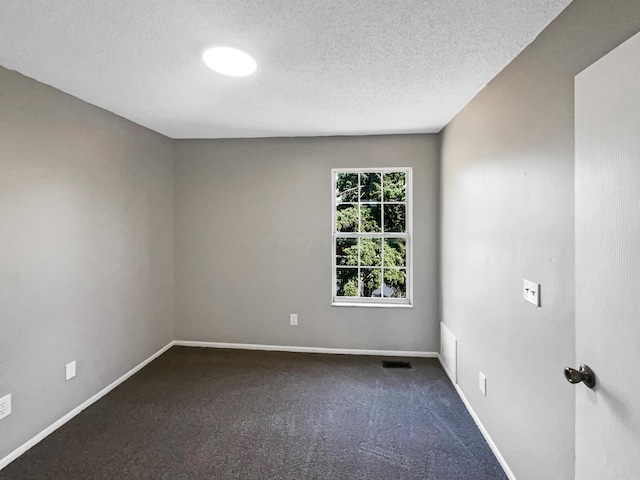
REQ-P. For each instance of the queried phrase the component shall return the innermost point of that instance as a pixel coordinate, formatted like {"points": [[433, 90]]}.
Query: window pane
{"points": [[370, 187], [370, 218], [347, 187], [347, 282], [395, 252], [370, 205], [395, 187], [370, 279], [394, 218], [347, 218], [395, 281], [347, 251], [370, 252]]}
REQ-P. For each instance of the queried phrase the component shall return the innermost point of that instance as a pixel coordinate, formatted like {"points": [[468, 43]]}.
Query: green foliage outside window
{"points": [[371, 203]]}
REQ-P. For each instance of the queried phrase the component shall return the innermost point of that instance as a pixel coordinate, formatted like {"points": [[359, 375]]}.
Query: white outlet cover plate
{"points": [[70, 370], [531, 292], [482, 383], [5, 406], [293, 319]]}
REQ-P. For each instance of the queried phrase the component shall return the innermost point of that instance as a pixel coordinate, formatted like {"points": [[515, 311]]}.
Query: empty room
{"points": [[295, 239]]}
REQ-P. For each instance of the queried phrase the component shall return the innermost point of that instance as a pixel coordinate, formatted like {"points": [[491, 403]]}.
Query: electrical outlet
{"points": [[293, 319], [5, 406], [70, 370], [482, 383]]}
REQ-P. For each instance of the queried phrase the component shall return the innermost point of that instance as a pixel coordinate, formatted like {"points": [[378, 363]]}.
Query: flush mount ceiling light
{"points": [[229, 61]]}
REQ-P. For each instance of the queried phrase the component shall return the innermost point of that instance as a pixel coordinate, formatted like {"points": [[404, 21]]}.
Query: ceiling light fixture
{"points": [[229, 61]]}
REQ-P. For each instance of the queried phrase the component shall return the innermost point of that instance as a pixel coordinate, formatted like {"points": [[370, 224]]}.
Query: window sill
{"points": [[372, 305]]}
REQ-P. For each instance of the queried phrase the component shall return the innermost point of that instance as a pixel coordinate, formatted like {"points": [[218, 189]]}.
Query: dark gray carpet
{"points": [[199, 413]]}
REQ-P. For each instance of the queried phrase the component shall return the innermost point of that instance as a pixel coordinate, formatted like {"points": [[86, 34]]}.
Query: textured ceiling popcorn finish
{"points": [[325, 67]]}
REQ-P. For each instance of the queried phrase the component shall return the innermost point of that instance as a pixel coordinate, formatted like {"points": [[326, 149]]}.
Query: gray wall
{"points": [[508, 214], [253, 242], [86, 251]]}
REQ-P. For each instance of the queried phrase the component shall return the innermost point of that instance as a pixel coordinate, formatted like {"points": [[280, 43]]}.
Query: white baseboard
{"points": [[481, 427], [446, 370], [282, 348], [58, 423]]}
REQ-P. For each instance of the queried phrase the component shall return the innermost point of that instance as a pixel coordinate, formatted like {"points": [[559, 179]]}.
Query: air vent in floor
{"points": [[395, 364]]}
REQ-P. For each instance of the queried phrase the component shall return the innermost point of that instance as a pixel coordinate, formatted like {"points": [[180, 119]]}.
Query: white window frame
{"points": [[407, 235]]}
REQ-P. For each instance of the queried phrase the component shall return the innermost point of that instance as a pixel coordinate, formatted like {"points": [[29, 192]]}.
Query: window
{"points": [[372, 242]]}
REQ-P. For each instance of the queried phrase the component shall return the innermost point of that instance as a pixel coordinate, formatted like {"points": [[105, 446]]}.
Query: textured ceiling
{"points": [[325, 67]]}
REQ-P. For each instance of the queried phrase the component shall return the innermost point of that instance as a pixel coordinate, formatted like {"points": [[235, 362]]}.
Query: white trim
{"points": [[494, 448], [282, 348], [371, 304], [369, 169], [407, 234], [58, 423]]}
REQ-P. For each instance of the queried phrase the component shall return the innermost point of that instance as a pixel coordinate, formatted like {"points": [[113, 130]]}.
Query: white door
{"points": [[608, 265]]}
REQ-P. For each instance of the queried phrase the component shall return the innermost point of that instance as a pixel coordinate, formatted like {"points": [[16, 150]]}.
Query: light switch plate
{"points": [[5, 406], [70, 370], [482, 383], [531, 292]]}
